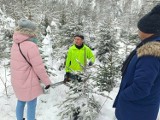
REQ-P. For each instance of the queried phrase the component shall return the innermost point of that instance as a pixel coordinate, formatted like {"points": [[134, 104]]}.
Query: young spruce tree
{"points": [[80, 103], [107, 54]]}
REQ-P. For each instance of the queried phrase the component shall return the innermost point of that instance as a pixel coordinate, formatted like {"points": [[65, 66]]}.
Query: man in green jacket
{"points": [[77, 57]]}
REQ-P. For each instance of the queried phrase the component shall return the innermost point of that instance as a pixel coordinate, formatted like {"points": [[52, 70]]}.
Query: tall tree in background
{"points": [[6, 31], [108, 56]]}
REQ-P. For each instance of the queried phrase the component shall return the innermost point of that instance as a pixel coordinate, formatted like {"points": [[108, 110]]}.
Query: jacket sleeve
{"points": [[68, 61], [90, 55], [37, 64], [146, 73]]}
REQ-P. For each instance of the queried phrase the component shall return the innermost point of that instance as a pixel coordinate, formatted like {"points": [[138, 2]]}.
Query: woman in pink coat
{"points": [[26, 69]]}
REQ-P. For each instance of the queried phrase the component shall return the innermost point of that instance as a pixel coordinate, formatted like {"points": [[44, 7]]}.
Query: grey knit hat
{"points": [[24, 23]]}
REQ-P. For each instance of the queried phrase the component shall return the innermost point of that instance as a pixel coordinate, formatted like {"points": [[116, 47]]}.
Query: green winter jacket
{"points": [[77, 57]]}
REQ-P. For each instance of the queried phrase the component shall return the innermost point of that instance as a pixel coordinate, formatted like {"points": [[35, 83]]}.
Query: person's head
{"points": [[149, 24], [143, 35], [26, 27], [78, 40]]}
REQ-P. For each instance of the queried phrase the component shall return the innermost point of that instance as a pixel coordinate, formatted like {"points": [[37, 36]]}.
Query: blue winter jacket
{"points": [[139, 94]]}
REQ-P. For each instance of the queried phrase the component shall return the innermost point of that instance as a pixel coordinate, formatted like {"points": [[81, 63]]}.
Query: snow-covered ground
{"points": [[46, 107]]}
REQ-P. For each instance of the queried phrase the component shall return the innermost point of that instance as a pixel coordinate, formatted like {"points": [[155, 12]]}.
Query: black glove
{"points": [[48, 86], [66, 77], [90, 63]]}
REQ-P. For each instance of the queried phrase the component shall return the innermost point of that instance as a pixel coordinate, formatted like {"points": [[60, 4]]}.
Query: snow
{"points": [[46, 107]]}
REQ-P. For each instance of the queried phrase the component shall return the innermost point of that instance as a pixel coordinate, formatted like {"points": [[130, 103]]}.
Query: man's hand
{"points": [[90, 63], [66, 80], [67, 77]]}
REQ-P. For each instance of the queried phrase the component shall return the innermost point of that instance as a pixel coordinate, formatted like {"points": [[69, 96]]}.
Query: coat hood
{"points": [[151, 48], [19, 37]]}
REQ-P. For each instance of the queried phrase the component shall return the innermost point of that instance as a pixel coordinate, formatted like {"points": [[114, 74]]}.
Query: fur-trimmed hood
{"points": [[151, 48], [18, 37], [22, 34], [25, 31]]}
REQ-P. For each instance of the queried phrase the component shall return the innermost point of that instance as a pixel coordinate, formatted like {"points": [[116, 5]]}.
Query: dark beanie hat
{"points": [[150, 23], [81, 36]]}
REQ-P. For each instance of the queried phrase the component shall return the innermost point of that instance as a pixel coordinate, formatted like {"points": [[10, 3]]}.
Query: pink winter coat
{"points": [[24, 78]]}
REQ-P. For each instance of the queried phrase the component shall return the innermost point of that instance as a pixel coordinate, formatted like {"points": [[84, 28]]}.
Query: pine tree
{"points": [[6, 32], [46, 50], [107, 41], [107, 76], [108, 56], [80, 103]]}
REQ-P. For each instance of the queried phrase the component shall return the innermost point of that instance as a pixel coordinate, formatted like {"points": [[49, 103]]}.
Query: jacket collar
{"points": [[152, 47], [149, 46], [79, 47]]}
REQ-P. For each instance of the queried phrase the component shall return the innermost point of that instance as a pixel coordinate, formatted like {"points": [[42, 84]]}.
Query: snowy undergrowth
{"points": [[47, 108]]}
